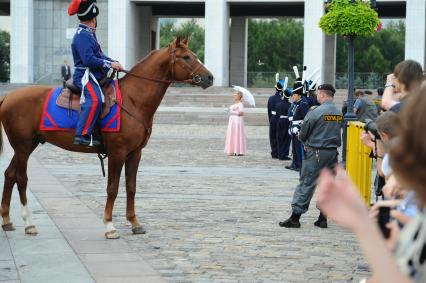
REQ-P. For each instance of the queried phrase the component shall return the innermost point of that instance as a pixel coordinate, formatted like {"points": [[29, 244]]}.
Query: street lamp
{"points": [[349, 19]]}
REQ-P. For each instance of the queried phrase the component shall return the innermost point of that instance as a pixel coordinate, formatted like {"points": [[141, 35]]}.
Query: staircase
{"points": [[208, 107], [191, 105]]}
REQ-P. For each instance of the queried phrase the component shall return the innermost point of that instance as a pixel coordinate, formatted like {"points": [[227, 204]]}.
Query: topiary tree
{"points": [[349, 18]]}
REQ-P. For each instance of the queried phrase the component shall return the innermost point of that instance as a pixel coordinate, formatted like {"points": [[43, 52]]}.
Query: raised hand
{"points": [[338, 198]]}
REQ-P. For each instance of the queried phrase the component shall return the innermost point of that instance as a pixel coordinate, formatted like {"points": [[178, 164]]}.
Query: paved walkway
{"points": [[209, 217], [71, 246]]}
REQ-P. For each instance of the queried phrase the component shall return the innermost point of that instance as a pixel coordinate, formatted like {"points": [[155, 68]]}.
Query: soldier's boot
{"points": [[292, 222], [85, 140], [322, 221]]}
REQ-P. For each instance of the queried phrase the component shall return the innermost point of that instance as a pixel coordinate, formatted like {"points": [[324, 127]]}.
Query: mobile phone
{"points": [[383, 219]]}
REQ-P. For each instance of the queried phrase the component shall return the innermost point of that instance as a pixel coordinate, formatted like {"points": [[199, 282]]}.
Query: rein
{"points": [[155, 80], [195, 78], [148, 129]]}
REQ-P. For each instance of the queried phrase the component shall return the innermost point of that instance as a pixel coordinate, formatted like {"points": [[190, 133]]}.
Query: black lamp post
{"points": [[350, 115]]}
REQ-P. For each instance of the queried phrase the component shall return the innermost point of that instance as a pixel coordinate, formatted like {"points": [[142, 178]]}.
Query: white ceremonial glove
{"points": [[295, 130]]}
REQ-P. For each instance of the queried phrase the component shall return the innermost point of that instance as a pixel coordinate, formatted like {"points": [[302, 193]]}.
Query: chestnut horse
{"points": [[142, 90]]}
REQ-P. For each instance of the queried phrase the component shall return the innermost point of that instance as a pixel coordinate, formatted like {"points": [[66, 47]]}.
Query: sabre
{"points": [[304, 79], [312, 75], [314, 82], [304, 74]]}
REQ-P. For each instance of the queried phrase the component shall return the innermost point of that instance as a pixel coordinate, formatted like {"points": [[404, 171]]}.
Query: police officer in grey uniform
{"points": [[320, 133], [364, 107]]}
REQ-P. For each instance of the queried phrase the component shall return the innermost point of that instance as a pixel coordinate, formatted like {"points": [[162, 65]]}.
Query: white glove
{"points": [[295, 130]]}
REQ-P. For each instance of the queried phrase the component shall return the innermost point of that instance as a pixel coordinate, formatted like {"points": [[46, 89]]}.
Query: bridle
{"points": [[195, 78]]}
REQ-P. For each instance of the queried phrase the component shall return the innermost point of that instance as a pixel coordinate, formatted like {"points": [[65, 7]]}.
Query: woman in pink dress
{"points": [[235, 135]]}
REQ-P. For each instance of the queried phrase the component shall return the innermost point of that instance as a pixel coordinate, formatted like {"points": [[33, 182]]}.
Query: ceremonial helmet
{"points": [[85, 9], [298, 86], [279, 85], [288, 92]]}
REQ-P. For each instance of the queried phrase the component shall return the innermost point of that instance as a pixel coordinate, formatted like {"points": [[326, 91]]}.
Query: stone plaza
{"points": [[209, 217]]}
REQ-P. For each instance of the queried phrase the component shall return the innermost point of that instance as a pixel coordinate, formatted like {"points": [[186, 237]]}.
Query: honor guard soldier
{"points": [[321, 135], [91, 65], [311, 95], [300, 109], [283, 137], [273, 119]]}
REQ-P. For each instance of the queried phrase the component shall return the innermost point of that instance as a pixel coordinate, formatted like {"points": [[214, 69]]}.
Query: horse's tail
{"points": [[1, 131]]}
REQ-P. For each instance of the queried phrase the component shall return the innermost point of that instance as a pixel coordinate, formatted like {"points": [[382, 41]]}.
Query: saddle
{"points": [[70, 97]]}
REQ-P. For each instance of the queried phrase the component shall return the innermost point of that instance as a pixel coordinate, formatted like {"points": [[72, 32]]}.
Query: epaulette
{"points": [[313, 107]]}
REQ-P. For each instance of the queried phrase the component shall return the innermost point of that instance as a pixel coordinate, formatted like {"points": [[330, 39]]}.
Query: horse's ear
{"points": [[176, 42], [185, 40]]}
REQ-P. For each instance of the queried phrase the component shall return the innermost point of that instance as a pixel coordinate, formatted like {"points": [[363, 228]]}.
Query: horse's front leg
{"points": [[115, 165], [132, 164]]}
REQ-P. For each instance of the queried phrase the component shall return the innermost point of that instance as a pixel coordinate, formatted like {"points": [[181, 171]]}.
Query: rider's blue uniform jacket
{"points": [[87, 53]]}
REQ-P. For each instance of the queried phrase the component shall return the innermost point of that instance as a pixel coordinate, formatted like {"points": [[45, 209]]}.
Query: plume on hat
{"points": [[73, 7]]}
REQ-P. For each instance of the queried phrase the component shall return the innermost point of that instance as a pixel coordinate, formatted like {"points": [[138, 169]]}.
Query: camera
{"points": [[383, 220], [370, 126]]}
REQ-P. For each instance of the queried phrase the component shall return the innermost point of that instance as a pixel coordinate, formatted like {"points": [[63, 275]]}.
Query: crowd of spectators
{"points": [[396, 248]]}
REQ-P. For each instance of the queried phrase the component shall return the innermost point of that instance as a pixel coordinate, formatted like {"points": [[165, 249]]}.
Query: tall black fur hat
{"points": [[85, 9]]}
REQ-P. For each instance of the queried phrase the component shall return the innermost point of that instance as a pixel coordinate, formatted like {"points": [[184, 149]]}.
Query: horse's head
{"points": [[186, 66]]}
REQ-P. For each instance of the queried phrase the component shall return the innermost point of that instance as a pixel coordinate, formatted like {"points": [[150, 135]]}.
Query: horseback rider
{"points": [[91, 65]]}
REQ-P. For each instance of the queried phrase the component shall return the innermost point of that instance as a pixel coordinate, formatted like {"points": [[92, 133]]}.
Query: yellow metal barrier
{"points": [[358, 163]]}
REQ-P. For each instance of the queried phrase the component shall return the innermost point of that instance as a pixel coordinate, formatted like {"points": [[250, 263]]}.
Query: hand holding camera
{"points": [[371, 127]]}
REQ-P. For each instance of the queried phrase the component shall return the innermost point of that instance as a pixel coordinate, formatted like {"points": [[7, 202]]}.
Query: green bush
{"points": [[347, 18], [4, 55]]}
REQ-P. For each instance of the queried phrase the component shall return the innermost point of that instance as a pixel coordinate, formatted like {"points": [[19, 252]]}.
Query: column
{"points": [[329, 60], [145, 31], [316, 51], [157, 27], [22, 42], [415, 31], [122, 31], [217, 40], [238, 51]]}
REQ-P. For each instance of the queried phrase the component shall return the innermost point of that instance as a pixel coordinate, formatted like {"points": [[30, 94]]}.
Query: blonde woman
{"points": [[235, 135]]}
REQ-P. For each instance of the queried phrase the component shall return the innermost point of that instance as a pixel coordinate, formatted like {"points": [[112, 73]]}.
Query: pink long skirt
{"points": [[235, 136]]}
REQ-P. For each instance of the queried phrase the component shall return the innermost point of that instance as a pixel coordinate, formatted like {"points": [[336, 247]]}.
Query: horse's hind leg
{"points": [[9, 182], [132, 164]]}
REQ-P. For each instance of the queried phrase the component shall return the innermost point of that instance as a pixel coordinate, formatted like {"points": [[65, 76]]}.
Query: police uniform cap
{"points": [[328, 87]]}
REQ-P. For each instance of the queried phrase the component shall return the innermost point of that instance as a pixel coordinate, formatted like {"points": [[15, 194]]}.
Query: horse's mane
{"points": [[150, 54], [144, 59]]}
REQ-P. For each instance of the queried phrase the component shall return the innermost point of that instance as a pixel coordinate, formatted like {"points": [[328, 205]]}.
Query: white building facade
{"points": [[129, 29]]}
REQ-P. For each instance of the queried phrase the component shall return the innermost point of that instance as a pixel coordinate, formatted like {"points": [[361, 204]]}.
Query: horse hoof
{"points": [[31, 230], [112, 235], [138, 230], [8, 227]]}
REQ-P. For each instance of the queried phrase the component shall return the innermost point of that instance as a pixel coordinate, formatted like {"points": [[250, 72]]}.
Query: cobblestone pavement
{"points": [[213, 218]]}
